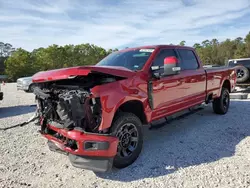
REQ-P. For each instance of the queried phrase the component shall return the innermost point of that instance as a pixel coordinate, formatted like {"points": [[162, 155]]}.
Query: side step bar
{"points": [[179, 115]]}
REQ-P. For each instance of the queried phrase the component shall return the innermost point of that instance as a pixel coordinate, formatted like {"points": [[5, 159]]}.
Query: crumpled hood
{"points": [[66, 73]]}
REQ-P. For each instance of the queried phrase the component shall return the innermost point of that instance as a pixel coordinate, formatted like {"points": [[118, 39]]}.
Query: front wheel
{"points": [[127, 127], [221, 104]]}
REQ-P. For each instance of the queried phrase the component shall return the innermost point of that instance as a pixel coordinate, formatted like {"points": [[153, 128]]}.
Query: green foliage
{"points": [[5, 51], [247, 43], [217, 53], [2, 67], [23, 63], [19, 64], [182, 43]]}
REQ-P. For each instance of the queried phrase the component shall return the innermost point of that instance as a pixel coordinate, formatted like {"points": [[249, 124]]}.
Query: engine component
{"points": [[68, 109]]}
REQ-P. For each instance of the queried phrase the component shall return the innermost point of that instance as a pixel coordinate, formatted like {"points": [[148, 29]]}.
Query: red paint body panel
{"points": [[80, 138], [216, 77], [169, 94], [113, 95]]}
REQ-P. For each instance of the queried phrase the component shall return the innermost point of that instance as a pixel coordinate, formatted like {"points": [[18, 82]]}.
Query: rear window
{"points": [[232, 63], [243, 62]]}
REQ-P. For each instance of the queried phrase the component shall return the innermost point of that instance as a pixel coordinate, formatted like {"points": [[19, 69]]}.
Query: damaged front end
{"points": [[69, 109], [70, 117]]}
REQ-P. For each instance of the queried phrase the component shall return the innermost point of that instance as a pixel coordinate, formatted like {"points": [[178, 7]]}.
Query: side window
{"points": [[231, 63], [188, 60], [159, 59], [244, 62]]}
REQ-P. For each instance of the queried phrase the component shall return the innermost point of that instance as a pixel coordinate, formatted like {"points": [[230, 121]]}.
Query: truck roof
{"points": [[159, 46]]}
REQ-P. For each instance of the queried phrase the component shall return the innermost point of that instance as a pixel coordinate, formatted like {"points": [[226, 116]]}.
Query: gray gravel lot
{"points": [[200, 150]]}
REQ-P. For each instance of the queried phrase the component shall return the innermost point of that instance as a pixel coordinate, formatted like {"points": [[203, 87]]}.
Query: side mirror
{"points": [[170, 66]]}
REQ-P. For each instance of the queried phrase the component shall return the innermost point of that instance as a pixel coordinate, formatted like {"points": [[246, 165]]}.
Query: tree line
{"points": [[22, 63], [217, 53], [5, 51], [19, 62]]}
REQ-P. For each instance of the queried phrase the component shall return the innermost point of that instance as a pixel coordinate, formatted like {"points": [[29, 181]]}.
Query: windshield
{"points": [[133, 59]]}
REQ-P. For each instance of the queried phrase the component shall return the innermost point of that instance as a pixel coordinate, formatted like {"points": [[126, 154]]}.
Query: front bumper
{"points": [[85, 150], [1, 96]]}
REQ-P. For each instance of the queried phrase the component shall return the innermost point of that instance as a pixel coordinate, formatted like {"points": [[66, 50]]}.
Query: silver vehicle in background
{"points": [[243, 69], [25, 84]]}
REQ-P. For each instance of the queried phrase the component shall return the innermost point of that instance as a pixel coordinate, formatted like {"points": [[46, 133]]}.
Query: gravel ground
{"points": [[200, 150]]}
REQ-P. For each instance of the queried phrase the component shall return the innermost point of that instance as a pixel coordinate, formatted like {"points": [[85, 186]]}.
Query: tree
{"points": [[197, 46], [23, 63], [182, 43], [19, 64], [240, 48], [247, 41], [2, 67], [205, 43], [5, 51]]}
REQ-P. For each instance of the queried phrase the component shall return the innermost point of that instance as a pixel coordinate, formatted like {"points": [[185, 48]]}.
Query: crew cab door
{"points": [[193, 77], [166, 92]]}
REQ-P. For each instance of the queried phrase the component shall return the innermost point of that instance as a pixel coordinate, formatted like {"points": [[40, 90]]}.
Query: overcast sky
{"points": [[117, 24]]}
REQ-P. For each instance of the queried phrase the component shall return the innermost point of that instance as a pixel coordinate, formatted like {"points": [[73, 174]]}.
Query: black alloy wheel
{"points": [[128, 139], [127, 128], [221, 104]]}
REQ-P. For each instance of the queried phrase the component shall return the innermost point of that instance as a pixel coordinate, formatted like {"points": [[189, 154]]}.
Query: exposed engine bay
{"points": [[68, 104]]}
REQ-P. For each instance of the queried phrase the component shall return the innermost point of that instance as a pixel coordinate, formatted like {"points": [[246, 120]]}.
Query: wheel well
{"points": [[227, 85], [135, 107]]}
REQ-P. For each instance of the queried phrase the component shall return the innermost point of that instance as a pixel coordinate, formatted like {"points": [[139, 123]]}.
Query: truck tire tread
{"points": [[121, 119], [245, 75], [218, 105]]}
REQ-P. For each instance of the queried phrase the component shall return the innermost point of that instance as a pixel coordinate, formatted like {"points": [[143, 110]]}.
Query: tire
{"points": [[127, 127], [31, 88], [221, 104], [242, 74]]}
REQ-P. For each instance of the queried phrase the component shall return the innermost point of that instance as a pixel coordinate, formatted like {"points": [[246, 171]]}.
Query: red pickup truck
{"points": [[94, 114]]}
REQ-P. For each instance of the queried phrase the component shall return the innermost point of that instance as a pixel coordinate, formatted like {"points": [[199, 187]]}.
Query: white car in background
{"points": [[25, 84]]}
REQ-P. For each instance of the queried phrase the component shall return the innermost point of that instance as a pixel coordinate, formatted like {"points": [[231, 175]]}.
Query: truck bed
{"points": [[217, 68], [215, 76]]}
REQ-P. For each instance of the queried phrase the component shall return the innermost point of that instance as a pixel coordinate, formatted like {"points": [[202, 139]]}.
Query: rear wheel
{"points": [[127, 127], [221, 104]]}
